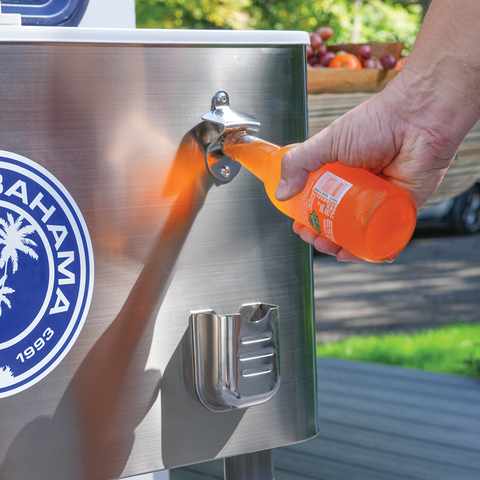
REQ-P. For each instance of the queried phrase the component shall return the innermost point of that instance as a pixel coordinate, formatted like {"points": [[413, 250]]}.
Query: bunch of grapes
{"points": [[386, 62], [318, 55]]}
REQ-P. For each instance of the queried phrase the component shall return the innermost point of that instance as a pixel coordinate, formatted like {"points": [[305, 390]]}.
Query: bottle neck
{"points": [[253, 153]]}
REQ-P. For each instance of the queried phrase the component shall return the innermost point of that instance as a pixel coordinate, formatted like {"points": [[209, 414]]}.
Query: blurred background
{"points": [[353, 21]]}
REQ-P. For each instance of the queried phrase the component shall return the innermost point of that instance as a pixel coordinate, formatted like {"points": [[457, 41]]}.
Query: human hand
{"points": [[381, 136]]}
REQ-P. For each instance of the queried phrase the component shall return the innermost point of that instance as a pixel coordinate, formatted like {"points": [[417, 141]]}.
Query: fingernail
{"points": [[282, 190]]}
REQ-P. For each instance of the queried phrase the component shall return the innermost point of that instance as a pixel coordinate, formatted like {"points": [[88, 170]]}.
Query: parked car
{"points": [[461, 214]]}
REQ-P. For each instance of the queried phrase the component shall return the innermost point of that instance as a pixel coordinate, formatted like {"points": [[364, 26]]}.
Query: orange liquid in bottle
{"points": [[368, 216]]}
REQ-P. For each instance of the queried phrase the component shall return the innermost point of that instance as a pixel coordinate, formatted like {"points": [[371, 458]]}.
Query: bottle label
{"points": [[319, 201], [332, 187]]}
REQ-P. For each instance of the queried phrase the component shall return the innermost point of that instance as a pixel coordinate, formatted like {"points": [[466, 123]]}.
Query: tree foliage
{"points": [[376, 20], [224, 14]]}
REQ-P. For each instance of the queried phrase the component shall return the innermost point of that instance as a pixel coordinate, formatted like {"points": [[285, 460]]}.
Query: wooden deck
{"points": [[380, 422]]}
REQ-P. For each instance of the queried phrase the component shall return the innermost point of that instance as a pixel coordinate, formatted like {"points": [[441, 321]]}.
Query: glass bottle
{"points": [[363, 213]]}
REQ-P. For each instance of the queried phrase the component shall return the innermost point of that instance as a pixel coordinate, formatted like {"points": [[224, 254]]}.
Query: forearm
{"points": [[440, 83]]}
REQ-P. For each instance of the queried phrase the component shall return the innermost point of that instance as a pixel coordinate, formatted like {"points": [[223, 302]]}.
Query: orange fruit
{"points": [[347, 61], [400, 63]]}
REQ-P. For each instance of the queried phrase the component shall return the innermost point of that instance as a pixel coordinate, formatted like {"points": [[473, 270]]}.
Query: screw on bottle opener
{"points": [[217, 123]]}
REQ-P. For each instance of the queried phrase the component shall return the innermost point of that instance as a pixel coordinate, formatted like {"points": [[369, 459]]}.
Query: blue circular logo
{"points": [[46, 272]]}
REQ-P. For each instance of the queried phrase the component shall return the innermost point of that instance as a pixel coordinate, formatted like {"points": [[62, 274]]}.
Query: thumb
{"points": [[299, 162]]}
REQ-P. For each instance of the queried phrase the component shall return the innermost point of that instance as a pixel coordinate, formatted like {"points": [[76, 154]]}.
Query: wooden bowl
{"points": [[337, 80], [368, 80]]}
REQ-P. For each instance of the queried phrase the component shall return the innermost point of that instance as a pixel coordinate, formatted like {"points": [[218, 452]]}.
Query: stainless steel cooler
{"points": [[193, 334]]}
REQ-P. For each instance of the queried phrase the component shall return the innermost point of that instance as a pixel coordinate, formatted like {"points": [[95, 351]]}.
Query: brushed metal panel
{"points": [[108, 121]]}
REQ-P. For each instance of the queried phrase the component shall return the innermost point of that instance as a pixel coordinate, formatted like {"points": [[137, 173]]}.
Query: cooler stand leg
{"points": [[251, 466]]}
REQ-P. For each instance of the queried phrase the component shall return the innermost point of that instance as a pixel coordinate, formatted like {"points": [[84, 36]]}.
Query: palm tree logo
{"points": [[14, 238], [6, 376]]}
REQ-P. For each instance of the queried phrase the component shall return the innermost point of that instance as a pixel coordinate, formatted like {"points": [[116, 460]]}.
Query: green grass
{"points": [[453, 349]]}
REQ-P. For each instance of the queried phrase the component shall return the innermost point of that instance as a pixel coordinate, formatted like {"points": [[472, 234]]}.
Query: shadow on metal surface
{"points": [[112, 382]]}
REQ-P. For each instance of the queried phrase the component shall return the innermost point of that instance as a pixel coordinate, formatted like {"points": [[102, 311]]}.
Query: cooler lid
{"points": [[155, 37], [47, 12]]}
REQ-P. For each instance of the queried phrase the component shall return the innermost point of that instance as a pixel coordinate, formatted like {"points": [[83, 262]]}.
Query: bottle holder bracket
{"points": [[236, 356]]}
